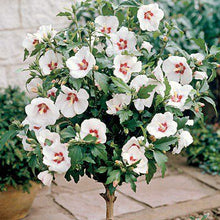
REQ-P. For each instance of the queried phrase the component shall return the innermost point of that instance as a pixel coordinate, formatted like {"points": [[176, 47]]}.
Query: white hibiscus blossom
{"points": [[162, 125], [125, 65], [71, 103], [123, 40], [177, 69], [42, 111], [184, 140], [106, 24], [149, 17], [179, 95], [81, 63], [50, 61], [132, 152], [117, 103], [94, 127]]}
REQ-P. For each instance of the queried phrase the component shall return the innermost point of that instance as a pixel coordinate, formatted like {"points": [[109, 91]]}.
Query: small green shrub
{"points": [[205, 151], [14, 166]]}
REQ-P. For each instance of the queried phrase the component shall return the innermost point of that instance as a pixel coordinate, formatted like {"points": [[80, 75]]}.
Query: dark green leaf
{"points": [[161, 159], [144, 91]]}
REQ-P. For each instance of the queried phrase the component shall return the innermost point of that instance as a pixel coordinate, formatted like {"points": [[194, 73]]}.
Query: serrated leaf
{"points": [[151, 171], [124, 115], [161, 159], [101, 169], [99, 151], [113, 175], [201, 43], [211, 101], [163, 144], [102, 80], [121, 85], [144, 91], [68, 132]]}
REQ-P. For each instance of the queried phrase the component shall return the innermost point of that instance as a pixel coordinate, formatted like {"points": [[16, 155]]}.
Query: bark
{"points": [[109, 199]]}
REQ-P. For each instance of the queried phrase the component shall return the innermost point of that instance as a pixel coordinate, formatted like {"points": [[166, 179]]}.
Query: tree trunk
{"points": [[109, 199]]}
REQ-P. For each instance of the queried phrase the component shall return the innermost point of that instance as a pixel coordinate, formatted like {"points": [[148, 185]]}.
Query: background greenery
{"points": [[14, 163]]}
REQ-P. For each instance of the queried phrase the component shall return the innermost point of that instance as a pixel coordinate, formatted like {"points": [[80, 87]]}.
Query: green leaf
{"points": [[159, 100], [114, 175], [151, 170], [201, 43], [101, 170], [107, 10], [204, 86], [26, 54], [90, 138], [144, 91], [130, 178], [181, 122], [164, 143], [89, 160], [213, 76], [68, 132], [214, 50], [76, 155], [124, 115], [8, 135], [67, 14], [211, 101], [161, 159], [168, 87], [102, 80], [121, 85], [129, 3], [99, 151], [76, 83]]}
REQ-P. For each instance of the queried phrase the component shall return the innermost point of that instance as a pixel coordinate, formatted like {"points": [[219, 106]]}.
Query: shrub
{"points": [[14, 167]]}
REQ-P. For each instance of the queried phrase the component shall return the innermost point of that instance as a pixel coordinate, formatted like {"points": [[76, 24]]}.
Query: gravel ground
{"points": [[213, 214]]}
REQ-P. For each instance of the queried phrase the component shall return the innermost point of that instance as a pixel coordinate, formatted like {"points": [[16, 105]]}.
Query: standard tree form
{"points": [[112, 100]]}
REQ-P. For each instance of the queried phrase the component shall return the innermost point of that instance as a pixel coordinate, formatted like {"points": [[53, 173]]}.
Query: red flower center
{"points": [[124, 68], [42, 108], [58, 157], [36, 128], [148, 15], [180, 68], [52, 65], [106, 30], [176, 97], [51, 94], [118, 107], [122, 44], [94, 132], [35, 42], [72, 98], [163, 127], [83, 65], [132, 159]]}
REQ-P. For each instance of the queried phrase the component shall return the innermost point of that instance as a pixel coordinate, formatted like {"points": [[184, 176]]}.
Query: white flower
{"points": [[117, 103], [199, 75], [158, 71], [143, 80], [33, 126], [32, 87], [47, 138], [132, 152], [123, 40], [100, 47], [50, 61], [42, 111], [52, 92], [190, 122], [184, 140], [106, 24], [179, 95], [94, 127], [146, 45], [177, 69], [45, 177], [81, 63], [162, 125], [30, 42], [56, 158], [198, 57], [45, 32], [150, 16], [26, 146], [125, 65], [71, 103]]}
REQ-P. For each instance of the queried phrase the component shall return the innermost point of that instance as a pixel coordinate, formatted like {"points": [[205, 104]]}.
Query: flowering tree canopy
{"points": [[112, 101]]}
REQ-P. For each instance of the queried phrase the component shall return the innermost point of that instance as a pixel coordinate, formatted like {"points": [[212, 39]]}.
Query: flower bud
{"points": [[165, 38], [115, 183], [95, 67], [75, 50], [77, 128], [196, 109], [118, 163], [34, 90], [126, 130], [152, 138]]}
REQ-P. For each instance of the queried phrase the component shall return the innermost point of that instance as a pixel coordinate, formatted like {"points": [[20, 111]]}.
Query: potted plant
{"points": [[112, 100], [18, 185]]}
